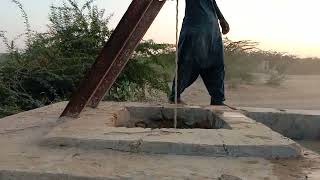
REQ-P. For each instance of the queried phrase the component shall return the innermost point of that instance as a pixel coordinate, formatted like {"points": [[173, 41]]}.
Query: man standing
{"points": [[201, 49]]}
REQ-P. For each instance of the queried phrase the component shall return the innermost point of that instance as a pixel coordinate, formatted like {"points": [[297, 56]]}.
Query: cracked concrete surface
{"points": [[21, 157], [243, 137]]}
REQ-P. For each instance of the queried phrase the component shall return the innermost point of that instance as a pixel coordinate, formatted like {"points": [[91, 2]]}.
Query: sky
{"points": [[290, 26]]}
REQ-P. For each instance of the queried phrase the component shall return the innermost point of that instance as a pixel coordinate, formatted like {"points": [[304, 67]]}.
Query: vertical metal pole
{"points": [[176, 70]]}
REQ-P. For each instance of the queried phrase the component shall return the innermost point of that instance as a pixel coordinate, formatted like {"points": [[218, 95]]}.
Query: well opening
{"points": [[163, 117]]}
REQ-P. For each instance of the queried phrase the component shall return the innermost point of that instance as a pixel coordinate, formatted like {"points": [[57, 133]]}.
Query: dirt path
{"points": [[297, 92]]}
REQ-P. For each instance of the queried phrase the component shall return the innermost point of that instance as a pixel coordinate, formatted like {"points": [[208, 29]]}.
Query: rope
{"points": [[176, 71]]}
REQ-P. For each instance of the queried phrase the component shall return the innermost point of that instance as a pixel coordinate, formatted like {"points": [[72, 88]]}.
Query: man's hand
{"points": [[224, 26]]}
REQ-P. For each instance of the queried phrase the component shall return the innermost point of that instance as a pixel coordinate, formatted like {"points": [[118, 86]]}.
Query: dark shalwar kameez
{"points": [[201, 50]]}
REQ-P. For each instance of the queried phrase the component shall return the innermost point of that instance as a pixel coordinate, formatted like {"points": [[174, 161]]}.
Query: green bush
{"points": [[3, 57], [277, 71], [51, 66], [239, 68]]}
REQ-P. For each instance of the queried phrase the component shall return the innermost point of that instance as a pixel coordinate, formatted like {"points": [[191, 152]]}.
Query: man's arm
{"points": [[218, 12], [223, 23]]}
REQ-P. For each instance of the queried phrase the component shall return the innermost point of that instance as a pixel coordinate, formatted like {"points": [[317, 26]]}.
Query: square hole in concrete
{"points": [[163, 117]]}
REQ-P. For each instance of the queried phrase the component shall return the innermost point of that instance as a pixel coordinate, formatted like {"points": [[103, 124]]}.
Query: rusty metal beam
{"points": [[107, 59], [126, 52]]}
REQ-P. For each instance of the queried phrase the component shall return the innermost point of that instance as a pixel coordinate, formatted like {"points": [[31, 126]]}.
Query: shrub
{"points": [[239, 67], [52, 64]]}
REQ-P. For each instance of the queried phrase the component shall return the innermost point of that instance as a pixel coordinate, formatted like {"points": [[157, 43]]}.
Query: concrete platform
{"points": [[238, 136], [295, 124], [21, 157]]}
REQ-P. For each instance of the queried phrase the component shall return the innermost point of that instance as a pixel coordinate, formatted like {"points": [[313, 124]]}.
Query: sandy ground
{"points": [[297, 92]]}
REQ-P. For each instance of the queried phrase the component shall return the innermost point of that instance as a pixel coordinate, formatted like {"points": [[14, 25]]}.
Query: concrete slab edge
{"points": [[28, 175], [140, 146]]}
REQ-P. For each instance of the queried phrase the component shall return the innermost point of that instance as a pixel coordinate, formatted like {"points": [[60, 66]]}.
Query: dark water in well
{"points": [[313, 145]]}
